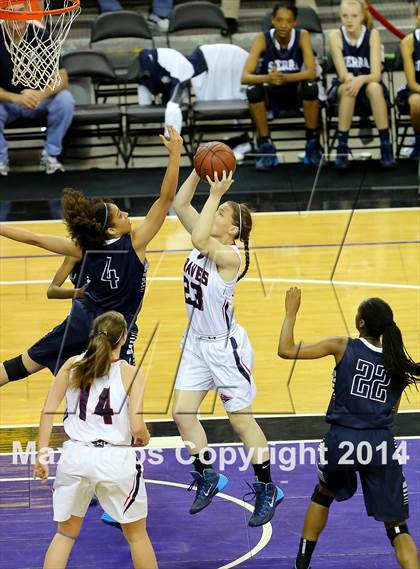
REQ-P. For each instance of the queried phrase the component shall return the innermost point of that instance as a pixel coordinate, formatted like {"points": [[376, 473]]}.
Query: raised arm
{"points": [[223, 255], [288, 349], [144, 233], [54, 398], [407, 48], [56, 290], [135, 384], [186, 213], [53, 243]]}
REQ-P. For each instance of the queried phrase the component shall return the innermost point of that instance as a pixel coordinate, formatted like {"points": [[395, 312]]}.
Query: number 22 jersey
{"points": [[208, 298], [363, 397]]}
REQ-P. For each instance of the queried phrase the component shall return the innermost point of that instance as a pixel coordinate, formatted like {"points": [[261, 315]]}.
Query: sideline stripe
{"points": [[252, 248], [254, 280], [209, 418], [259, 213]]}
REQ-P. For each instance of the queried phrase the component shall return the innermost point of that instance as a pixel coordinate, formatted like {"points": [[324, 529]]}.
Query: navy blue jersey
{"points": [[76, 278], [117, 277], [155, 77], [416, 53], [363, 397], [276, 58], [357, 57]]}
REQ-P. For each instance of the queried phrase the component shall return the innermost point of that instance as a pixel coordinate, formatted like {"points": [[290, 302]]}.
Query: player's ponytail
{"points": [[379, 321], [242, 219], [87, 219], [107, 331]]}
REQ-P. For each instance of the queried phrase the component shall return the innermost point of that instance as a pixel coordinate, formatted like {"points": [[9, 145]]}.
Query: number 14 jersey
{"points": [[99, 412], [208, 298]]}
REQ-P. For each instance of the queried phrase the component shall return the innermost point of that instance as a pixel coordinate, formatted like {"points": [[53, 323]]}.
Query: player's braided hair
{"points": [[379, 321], [86, 219], [107, 330], [242, 219]]}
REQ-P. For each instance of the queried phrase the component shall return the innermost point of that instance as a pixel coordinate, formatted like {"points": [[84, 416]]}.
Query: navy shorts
{"points": [[383, 484], [362, 101], [71, 338], [283, 97], [401, 99]]}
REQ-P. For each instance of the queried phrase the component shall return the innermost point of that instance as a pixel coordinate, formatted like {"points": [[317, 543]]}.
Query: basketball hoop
{"points": [[34, 38]]}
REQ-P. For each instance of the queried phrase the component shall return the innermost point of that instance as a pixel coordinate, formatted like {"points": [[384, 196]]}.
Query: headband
{"points": [[106, 216], [240, 221]]}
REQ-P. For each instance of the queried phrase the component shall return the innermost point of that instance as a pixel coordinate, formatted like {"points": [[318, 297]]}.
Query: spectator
{"points": [[281, 73], [356, 52], [161, 73], [56, 106], [408, 96], [159, 14]]}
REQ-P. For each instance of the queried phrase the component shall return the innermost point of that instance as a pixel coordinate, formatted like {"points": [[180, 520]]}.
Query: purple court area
{"points": [[213, 539]]}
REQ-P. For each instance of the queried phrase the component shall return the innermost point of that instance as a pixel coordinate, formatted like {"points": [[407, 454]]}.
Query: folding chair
{"points": [[196, 15], [93, 120]]}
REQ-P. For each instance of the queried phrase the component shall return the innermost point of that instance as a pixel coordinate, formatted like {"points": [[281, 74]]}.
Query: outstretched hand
{"points": [[292, 300], [220, 187], [174, 144]]}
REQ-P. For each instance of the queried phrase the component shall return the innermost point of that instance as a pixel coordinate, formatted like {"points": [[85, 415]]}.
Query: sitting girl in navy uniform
{"points": [[356, 52]]}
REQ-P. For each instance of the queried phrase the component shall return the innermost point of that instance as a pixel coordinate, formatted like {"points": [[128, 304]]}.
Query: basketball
{"points": [[214, 157]]}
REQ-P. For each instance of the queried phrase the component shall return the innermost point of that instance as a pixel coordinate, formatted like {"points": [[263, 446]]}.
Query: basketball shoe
{"points": [[207, 486]]}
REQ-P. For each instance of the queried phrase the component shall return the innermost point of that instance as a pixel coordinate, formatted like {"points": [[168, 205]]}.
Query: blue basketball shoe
{"points": [[267, 157], [106, 518], [342, 160], [267, 498], [207, 486], [313, 153]]}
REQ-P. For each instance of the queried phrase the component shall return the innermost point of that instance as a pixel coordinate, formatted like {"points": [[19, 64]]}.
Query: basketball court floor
{"points": [[338, 258]]}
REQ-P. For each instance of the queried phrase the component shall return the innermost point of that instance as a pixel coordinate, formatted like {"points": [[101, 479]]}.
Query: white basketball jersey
{"points": [[209, 299], [101, 412]]}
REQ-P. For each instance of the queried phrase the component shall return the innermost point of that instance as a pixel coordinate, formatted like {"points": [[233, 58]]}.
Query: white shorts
{"points": [[112, 473], [223, 365]]}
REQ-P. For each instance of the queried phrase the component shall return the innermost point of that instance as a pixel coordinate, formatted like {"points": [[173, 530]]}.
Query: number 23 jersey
{"points": [[363, 396], [208, 298]]}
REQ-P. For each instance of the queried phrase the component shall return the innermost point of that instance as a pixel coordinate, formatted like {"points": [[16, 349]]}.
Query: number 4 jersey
{"points": [[209, 299], [99, 412], [363, 396]]}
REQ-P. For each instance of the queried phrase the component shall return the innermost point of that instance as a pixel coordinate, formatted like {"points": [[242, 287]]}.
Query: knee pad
{"points": [[255, 94], [15, 369], [309, 90], [320, 498], [395, 531]]}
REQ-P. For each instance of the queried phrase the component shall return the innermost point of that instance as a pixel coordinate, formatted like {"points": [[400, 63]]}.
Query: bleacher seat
{"points": [[93, 122], [196, 15]]}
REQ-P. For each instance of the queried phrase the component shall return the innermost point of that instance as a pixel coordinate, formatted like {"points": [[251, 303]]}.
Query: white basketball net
{"points": [[35, 47]]}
